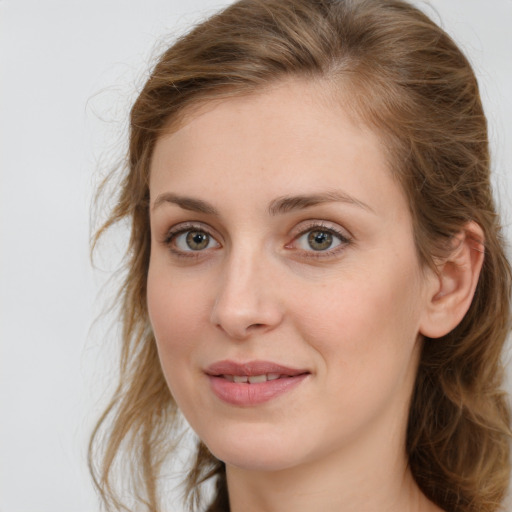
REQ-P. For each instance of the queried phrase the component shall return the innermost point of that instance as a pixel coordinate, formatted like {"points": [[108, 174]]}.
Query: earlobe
{"points": [[454, 284]]}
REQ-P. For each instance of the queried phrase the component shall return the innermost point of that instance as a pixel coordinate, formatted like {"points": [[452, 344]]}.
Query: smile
{"points": [[253, 379], [252, 383]]}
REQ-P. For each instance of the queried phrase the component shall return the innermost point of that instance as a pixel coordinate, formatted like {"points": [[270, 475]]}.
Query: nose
{"points": [[247, 300]]}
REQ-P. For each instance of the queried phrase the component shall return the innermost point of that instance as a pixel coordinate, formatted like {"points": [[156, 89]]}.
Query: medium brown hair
{"points": [[404, 77]]}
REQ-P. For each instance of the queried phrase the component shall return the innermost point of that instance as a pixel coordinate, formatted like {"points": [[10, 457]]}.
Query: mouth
{"points": [[253, 379], [252, 383]]}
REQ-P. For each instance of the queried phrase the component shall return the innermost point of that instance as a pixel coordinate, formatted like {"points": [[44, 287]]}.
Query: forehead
{"points": [[290, 138]]}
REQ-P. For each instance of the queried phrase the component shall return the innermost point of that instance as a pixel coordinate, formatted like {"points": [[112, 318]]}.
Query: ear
{"points": [[451, 289]]}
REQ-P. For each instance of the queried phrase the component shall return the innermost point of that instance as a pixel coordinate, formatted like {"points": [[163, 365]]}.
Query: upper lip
{"points": [[251, 368]]}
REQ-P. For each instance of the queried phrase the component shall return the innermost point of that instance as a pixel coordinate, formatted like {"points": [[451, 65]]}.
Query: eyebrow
{"points": [[186, 203], [278, 206], [287, 204]]}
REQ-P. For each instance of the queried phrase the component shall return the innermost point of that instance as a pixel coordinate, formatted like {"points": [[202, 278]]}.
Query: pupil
{"points": [[319, 240], [197, 240]]}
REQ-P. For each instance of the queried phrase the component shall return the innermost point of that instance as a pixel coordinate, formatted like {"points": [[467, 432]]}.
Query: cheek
{"points": [[177, 312], [367, 323], [176, 300], [367, 341], [174, 313]]}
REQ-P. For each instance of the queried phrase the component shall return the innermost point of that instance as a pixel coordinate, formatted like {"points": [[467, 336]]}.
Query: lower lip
{"points": [[246, 395]]}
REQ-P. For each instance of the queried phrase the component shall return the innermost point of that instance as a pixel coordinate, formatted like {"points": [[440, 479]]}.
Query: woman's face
{"points": [[284, 288]]}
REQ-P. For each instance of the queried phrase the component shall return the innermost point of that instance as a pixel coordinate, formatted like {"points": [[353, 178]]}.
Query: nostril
{"points": [[240, 315]]}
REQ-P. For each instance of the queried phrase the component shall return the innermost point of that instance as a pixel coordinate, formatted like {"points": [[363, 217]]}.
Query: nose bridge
{"points": [[246, 300]]}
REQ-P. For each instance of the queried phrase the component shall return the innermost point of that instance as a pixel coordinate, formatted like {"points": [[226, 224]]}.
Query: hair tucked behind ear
{"points": [[405, 78]]}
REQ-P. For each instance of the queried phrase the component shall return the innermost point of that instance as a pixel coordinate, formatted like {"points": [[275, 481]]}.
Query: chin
{"points": [[254, 460], [253, 451]]}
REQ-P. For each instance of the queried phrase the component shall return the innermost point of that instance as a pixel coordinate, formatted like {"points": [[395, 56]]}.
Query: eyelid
{"points": [[342, 234], [182, 227], [320, 224]]}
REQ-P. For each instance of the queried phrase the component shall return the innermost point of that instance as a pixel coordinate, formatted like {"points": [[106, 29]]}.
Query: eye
{"points": [[320, 239], [188, 240], [193, 241]]}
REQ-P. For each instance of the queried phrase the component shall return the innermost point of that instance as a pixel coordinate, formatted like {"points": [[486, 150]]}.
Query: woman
{"points": [[316, 274]]}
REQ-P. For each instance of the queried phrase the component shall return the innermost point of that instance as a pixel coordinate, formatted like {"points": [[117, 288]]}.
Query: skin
{"points": [[352, 315]]}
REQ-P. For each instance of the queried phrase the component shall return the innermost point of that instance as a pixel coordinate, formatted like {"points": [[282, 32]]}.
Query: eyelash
{"points": [[181, 229], [343, 238]]}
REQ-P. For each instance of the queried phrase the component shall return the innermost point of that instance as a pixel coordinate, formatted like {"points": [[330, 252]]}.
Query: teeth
{"points": [[253, 379]]}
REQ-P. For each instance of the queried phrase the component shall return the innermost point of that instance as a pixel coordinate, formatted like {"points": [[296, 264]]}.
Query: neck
{"points": [[344, 492]]}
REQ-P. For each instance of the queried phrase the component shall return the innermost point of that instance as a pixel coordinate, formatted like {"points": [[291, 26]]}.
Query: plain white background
{"points": [[69, 70]]}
